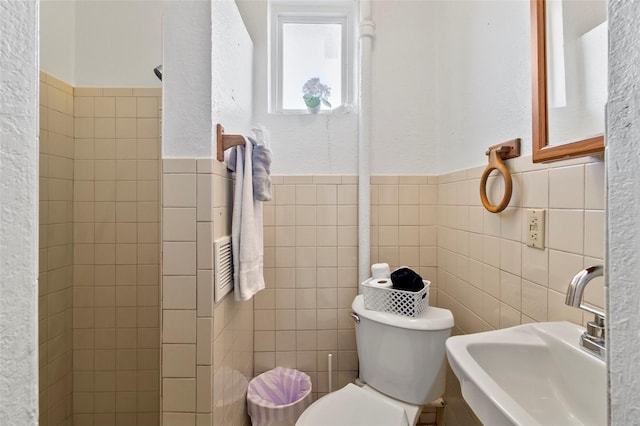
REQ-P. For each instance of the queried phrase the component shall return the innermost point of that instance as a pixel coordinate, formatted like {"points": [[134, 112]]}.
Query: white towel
{"points": [[246, 227]]}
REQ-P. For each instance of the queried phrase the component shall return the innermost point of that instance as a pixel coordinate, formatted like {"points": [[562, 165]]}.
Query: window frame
{"points": [[307, 12]]}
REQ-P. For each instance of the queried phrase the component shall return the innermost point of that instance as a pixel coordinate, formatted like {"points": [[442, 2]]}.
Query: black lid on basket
{"points": [[406, 279]]}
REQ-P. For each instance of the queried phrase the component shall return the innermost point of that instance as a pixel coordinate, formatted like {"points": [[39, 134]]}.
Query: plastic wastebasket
{"points": [[278, 397]]}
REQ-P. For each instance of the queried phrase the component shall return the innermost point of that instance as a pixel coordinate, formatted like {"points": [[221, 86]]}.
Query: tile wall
{"points": [[403, 225], [311, 262], [478, 263], [487, 275], [56, 251], [207, 348], [116, 213]]}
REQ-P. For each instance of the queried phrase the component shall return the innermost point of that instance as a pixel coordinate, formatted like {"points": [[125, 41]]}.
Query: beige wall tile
{"points": [[179, 190], [566, 187], [179, 224], [179, 292], [179, 258], [178, 360], [179, 395], [179, 326]]}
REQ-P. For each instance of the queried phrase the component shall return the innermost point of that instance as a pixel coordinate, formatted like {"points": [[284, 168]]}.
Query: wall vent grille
{"points": [[223, 264]]}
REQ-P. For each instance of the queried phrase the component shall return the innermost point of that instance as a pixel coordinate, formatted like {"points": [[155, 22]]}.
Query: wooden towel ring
{"points": [[496, 154]]}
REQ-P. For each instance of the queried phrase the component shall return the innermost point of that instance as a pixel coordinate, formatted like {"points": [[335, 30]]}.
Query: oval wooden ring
{"points": [[495, 163]]}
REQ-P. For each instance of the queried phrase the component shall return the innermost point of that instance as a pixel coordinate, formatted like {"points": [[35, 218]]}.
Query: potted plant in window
{"points": [[315, 94]]}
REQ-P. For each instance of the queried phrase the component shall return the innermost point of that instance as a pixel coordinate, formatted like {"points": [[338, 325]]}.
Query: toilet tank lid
{"points": [[431, 319]]}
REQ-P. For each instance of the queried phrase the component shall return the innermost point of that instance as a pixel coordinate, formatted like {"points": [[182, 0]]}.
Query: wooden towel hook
{"points": [[497, 153], [225, 142]]}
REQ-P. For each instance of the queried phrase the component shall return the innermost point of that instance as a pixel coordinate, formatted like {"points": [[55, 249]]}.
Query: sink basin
{"points": [[532, 374]]}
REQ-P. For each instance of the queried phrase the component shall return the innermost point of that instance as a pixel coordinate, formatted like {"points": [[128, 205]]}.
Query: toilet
{"points": [[402, 363]]}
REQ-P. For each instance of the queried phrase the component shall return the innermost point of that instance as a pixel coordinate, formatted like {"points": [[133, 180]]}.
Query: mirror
{"points": [[569, 77]]}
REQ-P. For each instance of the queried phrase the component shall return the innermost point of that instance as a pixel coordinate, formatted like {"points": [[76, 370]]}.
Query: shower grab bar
{"points": [[497, 153], [226, 141]]}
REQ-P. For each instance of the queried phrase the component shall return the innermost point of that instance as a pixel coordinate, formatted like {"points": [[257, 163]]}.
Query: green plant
{"points": [[316, 92]]}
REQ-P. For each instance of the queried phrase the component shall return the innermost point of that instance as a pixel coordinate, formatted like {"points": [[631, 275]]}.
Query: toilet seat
{"points": [[353, 406]]}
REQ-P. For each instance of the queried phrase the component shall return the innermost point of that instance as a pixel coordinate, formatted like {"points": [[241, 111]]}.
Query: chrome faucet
{"points": [[594, 338]]}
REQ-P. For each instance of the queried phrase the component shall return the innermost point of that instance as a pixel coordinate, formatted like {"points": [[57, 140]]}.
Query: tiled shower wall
{"points": [[487, 275], [116, 256], [99, 259], [56, 251], [207, 348]]}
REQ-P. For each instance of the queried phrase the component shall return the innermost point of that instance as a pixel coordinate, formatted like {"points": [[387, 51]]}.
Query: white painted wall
{"points": [[186, 124], [484, 79], [623, 173], [18, 212], [231, 69], [118, 43], [204, 83], [58, 38], [102, 43], [450, 78], [302, 144], [404, 87]]}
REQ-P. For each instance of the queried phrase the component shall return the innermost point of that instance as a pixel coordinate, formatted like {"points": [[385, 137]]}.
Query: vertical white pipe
{"points": [[330, 364], [366, 35]]}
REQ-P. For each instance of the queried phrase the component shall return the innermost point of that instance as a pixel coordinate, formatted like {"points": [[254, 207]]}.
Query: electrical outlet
{"points": [[535, 228]]}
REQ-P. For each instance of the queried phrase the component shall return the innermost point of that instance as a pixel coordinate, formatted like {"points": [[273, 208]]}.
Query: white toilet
{"points": [[401, 362]]}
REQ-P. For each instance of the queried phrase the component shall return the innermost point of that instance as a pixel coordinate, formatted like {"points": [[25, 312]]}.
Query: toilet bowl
{"points": [[355, 406], [402, 362]]}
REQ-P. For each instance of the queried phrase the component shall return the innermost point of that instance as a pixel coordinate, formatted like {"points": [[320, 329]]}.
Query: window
{"points": [[310, 42]]}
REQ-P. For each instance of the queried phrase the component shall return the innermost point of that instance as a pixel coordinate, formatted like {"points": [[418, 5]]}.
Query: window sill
{"points": [[343, 110]]}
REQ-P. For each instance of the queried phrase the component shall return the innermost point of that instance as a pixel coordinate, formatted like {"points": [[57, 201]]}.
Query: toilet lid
{"points": [[351, 406]]}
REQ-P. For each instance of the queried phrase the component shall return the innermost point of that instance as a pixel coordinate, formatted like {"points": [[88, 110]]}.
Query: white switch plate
{"points": [[535, 228]]}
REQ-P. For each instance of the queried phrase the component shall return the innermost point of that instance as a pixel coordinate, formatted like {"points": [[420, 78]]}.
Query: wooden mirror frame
{"points": [[542, 152]]}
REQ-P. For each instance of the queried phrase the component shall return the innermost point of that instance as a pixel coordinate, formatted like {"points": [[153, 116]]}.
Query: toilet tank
{"points": [[403, 357]]}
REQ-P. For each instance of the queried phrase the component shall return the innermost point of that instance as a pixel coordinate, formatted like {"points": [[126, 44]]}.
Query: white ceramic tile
{"points": [[534, 300], [594, 186], [594, 229], [535, 265], [559, 311], [476, 218], [566, 230], [566, 187], [535, 189], [562, 267], [511, 224], [509, 316], [491, 281], [510, 289], [491, 249], [491, 223], [511, 256]]}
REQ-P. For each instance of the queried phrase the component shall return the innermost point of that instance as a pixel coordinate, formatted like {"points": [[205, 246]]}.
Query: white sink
{"points": [[532, 374]]}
